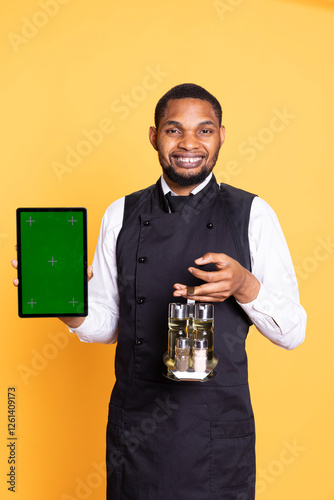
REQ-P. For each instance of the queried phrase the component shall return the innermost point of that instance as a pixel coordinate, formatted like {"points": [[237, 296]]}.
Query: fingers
{"points": [[14, 264], [214, 258], [218, 284], [178, 286], [200, 298], [181, 290], [207, 291], [210, 276], [90, 273]]}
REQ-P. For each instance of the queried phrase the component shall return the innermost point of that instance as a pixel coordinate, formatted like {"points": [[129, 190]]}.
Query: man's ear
{"points": [[222, 135], [152, 133]]}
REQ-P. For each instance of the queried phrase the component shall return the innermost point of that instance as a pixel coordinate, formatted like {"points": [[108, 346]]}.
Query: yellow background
{"points": [[66, 71]]}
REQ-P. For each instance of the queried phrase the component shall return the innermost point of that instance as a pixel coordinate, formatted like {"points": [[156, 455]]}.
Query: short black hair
{"points": [[186, 91]]}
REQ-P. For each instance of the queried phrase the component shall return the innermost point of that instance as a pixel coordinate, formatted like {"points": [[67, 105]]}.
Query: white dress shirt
{"points": [[276, 312]]}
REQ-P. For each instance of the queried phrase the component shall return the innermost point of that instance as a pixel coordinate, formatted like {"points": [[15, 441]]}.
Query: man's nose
{"points": [[189, 141]]}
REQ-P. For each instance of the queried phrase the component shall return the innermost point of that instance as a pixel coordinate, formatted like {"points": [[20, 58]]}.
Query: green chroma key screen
{"points": [[52, 262]]}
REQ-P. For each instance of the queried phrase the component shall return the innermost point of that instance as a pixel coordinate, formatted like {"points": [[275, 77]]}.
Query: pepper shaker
{"points": [[182, 355]]}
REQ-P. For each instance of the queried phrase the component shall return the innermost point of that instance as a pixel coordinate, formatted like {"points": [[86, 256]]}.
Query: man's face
{"points": [[188, 140]]}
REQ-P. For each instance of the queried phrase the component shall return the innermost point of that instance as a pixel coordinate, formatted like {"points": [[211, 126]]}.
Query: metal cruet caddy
{"points": [[190, 354]]}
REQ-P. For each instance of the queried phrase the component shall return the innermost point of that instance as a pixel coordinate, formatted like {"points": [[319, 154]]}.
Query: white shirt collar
{"points": [[166, 189]]}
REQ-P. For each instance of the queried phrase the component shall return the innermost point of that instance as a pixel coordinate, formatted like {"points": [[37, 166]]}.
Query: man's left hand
{"points": [[229, 279]]}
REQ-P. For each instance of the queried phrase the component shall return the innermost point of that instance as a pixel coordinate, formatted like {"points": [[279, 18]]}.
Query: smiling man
{"points": [[186, 440]]}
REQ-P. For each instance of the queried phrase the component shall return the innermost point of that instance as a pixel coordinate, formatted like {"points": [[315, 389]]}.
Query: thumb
{"points": [[90, 272]]}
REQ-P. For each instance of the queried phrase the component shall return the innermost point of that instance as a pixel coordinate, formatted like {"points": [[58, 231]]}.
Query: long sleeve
{"points": [[101, 324], [276, 312]]}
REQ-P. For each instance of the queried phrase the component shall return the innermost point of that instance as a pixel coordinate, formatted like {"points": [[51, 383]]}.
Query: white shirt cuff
{"points": [[286, 330], [87, 331]]}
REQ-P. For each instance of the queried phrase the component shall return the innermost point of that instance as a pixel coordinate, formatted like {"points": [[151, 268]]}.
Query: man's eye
{"points": [[172, 131], [206, 131]]}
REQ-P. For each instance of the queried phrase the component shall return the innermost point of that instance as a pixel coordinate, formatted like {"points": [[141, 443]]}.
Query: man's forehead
{"points": [[189, 109]]}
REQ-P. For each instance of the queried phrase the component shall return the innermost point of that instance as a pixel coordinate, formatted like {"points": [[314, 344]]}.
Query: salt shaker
{"points": [[200, 354]]}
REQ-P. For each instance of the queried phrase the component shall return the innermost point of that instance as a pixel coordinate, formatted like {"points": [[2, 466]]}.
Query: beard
{"points": [[187, 179]]}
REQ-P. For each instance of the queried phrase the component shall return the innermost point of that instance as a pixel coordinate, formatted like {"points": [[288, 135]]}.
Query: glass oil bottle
{"points": [[178, 321]]}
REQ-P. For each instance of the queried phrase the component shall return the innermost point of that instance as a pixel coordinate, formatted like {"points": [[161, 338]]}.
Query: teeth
{"points": [[188, 160]]}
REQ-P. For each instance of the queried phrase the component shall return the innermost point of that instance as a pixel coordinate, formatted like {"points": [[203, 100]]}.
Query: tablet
{"points": [[52, 262]]}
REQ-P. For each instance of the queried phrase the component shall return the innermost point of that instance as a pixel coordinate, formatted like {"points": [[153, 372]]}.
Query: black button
{"points": [[209, 225], [139, 341], [141, 300], [142, 259], [146, 223]]}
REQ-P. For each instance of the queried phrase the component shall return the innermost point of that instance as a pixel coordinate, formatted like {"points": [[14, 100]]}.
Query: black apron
{"points": [[179, 440]]}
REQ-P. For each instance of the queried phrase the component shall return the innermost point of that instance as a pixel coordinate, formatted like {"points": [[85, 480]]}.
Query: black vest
{"points": [[204, 448]]}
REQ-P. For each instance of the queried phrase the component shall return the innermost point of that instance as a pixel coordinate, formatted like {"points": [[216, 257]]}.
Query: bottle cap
{"points": [[178, 311], [203, 311], [200, 344], [182, 342]]}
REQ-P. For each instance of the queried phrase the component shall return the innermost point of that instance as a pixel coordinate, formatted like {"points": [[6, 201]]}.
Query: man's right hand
{"points": [[72, 322]]}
